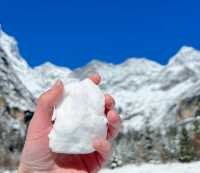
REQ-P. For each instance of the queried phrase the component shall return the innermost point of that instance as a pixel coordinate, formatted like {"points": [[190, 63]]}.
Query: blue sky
{"points": [[71, 33]]}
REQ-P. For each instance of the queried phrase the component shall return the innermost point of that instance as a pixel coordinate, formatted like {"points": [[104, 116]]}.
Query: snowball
{"points": [[79, 118]]}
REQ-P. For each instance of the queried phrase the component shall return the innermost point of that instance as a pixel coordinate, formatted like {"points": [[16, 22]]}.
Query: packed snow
{"points": [[79, 119]]}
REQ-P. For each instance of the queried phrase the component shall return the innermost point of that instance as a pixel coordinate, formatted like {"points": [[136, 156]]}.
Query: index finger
{"points": [[95, 78]]}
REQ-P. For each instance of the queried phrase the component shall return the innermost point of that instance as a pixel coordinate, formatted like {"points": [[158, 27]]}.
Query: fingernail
{"points": [[57, 83]]}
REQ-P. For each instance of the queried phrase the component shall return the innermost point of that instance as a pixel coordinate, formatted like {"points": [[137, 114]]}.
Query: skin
{"points": [[37, 157]]}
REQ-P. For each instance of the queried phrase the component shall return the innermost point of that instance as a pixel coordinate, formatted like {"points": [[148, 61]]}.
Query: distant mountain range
{"points": [[143, 89]]}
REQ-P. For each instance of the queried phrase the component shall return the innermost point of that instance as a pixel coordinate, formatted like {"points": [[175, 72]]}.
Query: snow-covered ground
{"points": [[152, 168], [162, 168]]}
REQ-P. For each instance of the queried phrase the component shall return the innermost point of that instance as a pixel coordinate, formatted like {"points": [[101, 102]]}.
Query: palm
{"points": [[85, 163], [59, 162]]}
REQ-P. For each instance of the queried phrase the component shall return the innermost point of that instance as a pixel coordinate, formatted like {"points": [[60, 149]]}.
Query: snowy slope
{"points": [[46, 74], [151, 168], [12, 68], [143, 88]]}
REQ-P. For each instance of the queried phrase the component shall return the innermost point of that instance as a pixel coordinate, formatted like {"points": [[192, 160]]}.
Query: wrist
{"points": [[22, 169]]}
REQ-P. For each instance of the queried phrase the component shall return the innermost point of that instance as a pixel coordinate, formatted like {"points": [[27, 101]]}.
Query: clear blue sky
{"points": [[71, 33]]}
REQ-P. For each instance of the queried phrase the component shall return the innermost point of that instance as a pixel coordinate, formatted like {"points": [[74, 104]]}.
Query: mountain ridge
{"points": [[128, 81]]}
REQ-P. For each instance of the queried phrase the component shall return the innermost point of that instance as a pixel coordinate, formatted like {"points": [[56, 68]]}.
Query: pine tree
{"points": [[148, 141], [196, 138], [186, 149], [196, 125]]}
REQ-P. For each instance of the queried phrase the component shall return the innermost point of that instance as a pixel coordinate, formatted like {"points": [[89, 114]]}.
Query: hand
{"points": [[37, 157]]}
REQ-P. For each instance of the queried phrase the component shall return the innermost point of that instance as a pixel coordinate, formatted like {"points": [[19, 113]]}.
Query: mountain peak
{"points": [[9, 45], [48, 66], [185, 49], [136, 60], [6, 39], [141, 63], [185, 55], [96, 62]]}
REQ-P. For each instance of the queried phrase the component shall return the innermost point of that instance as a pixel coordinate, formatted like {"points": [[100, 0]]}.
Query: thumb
{"points": [[52, 96], [45, 104]]}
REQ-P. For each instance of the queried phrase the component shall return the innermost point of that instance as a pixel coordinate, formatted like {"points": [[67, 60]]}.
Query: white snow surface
{"points": [[162, 168], [79, 119], [151, 168]]}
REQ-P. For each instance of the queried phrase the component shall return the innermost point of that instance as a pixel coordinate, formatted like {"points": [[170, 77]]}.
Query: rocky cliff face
{"points": [[11, 87], [12, 132], [15, 98], [153, 100]]}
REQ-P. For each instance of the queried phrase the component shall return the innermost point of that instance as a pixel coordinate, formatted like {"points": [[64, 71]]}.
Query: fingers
{"points": [[114, 124], [109, 103], [103, 147], [95, 78], [114, 121]]}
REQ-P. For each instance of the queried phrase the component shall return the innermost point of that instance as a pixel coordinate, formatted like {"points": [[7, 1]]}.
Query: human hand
{"points": [[37, 157]]}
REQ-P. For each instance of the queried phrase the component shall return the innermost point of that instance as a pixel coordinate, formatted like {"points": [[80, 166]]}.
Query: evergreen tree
{"points": [[171, 148], [196, 138], [186, 149], [147, 141], [196, 126]]}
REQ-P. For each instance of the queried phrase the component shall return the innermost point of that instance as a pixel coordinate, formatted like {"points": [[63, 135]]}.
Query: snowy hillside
{"points": [[12, 69], [151, 168]]}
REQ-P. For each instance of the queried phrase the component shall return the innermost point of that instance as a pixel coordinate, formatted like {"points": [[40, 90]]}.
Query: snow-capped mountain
{"points": [[12, 68], [142, 88], [37, 79]]}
